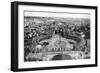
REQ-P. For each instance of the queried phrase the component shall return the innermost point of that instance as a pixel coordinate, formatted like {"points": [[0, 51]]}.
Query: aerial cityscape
{"points": [[56, 38]]}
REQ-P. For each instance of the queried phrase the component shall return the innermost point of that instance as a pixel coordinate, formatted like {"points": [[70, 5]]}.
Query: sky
{"points": [[56, 14]]}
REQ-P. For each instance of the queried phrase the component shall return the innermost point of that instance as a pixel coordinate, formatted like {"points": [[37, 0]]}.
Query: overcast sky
{"points": [[59, 14]]}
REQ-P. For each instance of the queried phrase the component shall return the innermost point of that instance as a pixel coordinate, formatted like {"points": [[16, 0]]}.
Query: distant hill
{"points": [[76, 21]]}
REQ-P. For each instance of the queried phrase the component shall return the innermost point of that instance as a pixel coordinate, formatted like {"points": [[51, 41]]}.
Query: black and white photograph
{"points": [[53, 36], [56, 38]]}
